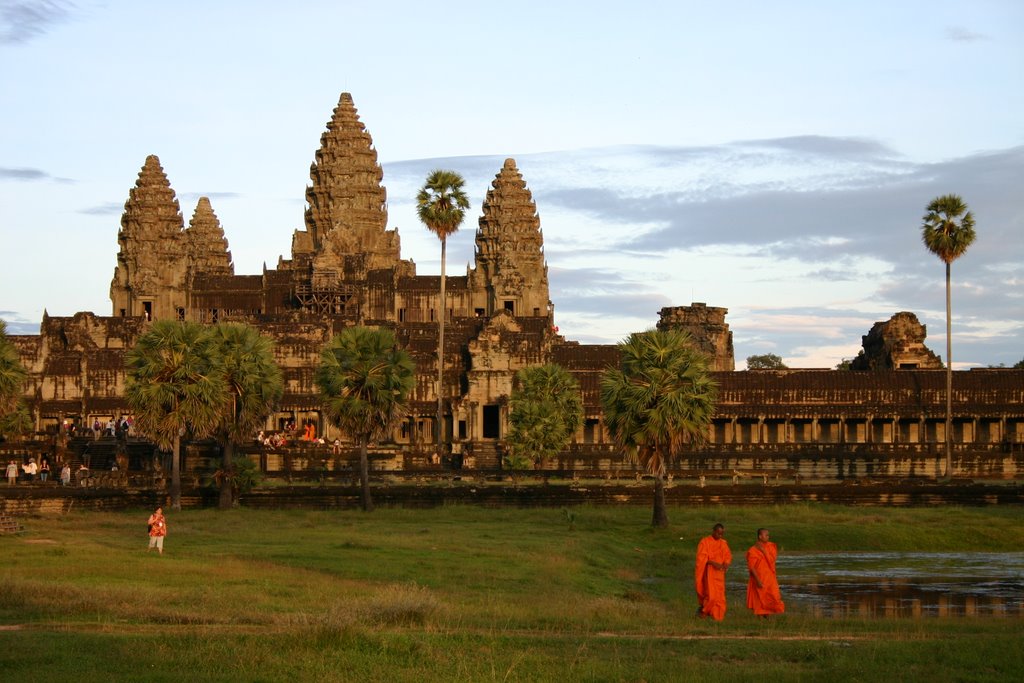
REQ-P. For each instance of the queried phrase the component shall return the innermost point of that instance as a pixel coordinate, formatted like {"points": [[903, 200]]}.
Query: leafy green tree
{"points": [[175, 384], [364, 380], [17, 422], [441, 205], [12, 374], [767, 361], [659, 398], [254, 388], [547, 409], [1019, 365], [947, 231]]}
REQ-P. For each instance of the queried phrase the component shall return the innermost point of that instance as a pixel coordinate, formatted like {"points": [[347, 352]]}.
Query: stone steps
{"points": [[10, 525]]}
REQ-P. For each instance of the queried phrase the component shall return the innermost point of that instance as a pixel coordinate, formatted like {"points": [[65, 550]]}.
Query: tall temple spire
{"points": [[207, 246], [150, 273], [510, 248], [347, 205]]}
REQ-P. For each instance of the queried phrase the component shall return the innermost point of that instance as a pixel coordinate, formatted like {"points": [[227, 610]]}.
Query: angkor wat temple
{"points": [[884, 416]]}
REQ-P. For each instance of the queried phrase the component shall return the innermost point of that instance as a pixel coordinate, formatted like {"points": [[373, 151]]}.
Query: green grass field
{"points": [[466, 594]]}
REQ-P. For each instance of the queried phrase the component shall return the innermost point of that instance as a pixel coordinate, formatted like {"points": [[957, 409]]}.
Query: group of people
{"points": [[713, 560], [29, 471], [280, 440], [112, 428]]}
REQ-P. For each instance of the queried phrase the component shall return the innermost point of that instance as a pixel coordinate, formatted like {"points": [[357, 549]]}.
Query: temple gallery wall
{"points": [[886, 414]]}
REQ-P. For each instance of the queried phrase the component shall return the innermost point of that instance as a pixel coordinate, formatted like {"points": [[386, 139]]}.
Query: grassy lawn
{"points": [[466, 594]]}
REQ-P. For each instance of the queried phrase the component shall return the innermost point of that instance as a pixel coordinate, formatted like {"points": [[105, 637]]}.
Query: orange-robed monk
{"points": [[763, 595], [713, 559]]}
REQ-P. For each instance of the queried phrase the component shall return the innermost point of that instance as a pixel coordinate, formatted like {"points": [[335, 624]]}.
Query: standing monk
{"points": [[713, 558], [763, 595]]}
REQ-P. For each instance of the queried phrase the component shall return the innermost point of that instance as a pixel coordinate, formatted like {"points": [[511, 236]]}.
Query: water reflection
{"points": [[904, 584]]}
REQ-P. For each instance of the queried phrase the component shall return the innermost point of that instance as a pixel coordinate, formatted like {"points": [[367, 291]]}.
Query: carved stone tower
{"points": [[510, 273], [149, 278], [207, 247], [707, 326], [346, 218]]}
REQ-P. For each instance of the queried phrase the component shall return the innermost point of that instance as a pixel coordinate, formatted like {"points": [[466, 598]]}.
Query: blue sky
{"points": [[770, 158]]}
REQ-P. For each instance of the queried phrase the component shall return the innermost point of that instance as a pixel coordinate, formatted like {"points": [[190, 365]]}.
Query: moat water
{"points": [[914, 585]]}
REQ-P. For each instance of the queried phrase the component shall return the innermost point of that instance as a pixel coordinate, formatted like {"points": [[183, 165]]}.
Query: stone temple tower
{"points": [[346, 216], [510, 273], [149, 278]]}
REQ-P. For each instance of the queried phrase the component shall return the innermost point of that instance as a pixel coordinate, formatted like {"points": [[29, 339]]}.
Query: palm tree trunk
{"points": [[176, 473], [660, 518], [227, 498], [949, 380], [364, 476], [440, 356]]}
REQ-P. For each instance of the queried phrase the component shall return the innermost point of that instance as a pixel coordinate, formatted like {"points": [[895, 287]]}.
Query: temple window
{"points": [[510, 306], [147, 309]]}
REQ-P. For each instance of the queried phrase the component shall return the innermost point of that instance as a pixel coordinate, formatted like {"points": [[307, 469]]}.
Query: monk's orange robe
{"points": [[710, 582], [765, 599]]}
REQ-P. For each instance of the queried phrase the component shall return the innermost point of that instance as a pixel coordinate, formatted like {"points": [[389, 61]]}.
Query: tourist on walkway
{"points": [[763, 596], [12, 473], [44, 470], [30, 470], [713, 560], [157, 530], [65, 475]]}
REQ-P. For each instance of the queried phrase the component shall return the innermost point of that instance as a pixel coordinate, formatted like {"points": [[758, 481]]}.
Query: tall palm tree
{"points": [[364, 380], [175, 384], [254, 388], [660, 398], [547, 409], [442, 204], [12, 374], [947, 232]]}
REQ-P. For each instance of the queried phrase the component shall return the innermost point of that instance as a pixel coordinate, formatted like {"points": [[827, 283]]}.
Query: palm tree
{"points": [[254, 387], [175, 384], [547, 409], [947, 232], [12, 374], [364, 380], [442, 205], [660, 398]]}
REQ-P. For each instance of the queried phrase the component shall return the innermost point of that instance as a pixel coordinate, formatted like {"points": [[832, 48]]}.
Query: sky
{"points": [[774, 159]]}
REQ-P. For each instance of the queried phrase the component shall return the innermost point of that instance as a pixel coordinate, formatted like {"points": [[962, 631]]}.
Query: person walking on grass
{"points": [[157, 530], [763, 595], [713, 559]]}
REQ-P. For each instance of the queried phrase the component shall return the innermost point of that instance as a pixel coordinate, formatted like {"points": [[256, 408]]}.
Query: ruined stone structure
{"points": [[706, 327], [345, 268], [897, 343]]}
